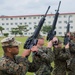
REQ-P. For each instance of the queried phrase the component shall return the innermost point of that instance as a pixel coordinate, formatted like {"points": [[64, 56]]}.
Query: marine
{"points": [[10, 63], [71, 61], [61, 55], [43, 58]]}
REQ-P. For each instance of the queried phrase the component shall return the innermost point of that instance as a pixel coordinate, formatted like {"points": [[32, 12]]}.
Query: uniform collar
{"points": [[10, 58]]}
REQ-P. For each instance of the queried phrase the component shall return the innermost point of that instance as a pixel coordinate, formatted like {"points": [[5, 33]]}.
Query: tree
{"points": [[45, 29], [20, 33], [19, 30], [35, 26], [22, 28], [6, 34], [14, 31], [1, 29]]}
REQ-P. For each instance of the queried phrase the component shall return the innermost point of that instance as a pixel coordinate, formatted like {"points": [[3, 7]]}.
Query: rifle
{"points": [[68, 25], [67, 38], [51, 33], [31, 41]]}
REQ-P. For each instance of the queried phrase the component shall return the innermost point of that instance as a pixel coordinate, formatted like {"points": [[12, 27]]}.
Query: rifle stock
{"points": [[31, 41]]}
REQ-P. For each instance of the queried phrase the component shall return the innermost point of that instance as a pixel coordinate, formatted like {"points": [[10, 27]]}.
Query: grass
{"points": [[22, 39]]}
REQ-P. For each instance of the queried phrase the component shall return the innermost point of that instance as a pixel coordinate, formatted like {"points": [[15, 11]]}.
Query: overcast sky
{"points": [[29, 7]]}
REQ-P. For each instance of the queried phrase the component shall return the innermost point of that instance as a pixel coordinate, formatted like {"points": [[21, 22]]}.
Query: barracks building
{"points": [[9, 22]]}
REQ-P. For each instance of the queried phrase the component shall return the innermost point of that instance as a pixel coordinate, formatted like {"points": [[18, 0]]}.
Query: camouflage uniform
{"points": [[61, 55], [43, 58], [71, 61], [17, 65]]}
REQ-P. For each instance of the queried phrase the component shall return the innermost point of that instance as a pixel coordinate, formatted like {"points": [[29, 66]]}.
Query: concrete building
{"points": [[9, 22]]}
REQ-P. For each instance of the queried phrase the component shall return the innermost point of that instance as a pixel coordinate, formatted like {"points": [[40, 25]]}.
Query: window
{"points": [[70, 15], [29, 22], [31, 33], [59, 22], [34, 17], [24, 18], [38, 17], [15, 23], [64, 16], [29, 17], [7, 28], [25, 33], [65, 27], [49, 22], [2, 23], [30, 28], [6, 18], [71, 21], [11, 23], [20, 18], [34, 22], [11, 18], [60, 27], [65, 21], [20, 23], [25, 22], [71, 27], [60, 32], [7, 23], [2, 18]]}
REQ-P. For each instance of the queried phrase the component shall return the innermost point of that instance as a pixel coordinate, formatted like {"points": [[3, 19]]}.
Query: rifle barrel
{"points": [[59, 6], [47, 11]]}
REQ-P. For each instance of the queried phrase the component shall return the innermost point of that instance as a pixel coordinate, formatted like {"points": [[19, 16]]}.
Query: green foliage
{"points": [[1, 29], [14, 31], [22, 28], [6, 34], [19, 30], [35, 26], [45, 29], [20, 33]]}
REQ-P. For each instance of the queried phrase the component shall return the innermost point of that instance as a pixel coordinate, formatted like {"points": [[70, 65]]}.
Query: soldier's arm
{"points": [[72, 48], [10, 67], [64, 53], [46, 54], [33, 67]]}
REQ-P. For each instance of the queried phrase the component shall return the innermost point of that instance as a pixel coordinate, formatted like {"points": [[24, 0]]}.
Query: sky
{"points": [[31, 7]]}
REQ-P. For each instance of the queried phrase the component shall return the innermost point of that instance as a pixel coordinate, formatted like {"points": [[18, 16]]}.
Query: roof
{"points": [[3, 16]]}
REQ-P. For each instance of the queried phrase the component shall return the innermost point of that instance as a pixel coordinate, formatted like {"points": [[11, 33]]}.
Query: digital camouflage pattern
{"points": [[18, 66], [61, 55], [43, 60], [10, 41], [71, 61]]}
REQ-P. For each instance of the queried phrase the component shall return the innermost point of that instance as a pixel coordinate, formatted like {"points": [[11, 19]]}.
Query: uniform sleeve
{"points": [[33, 67], [10, 67], [63, 54], [46, 54], [72, 48]]}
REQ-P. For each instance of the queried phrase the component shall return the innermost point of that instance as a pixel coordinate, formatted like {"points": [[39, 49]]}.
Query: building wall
{"points": [[8, 22]]}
